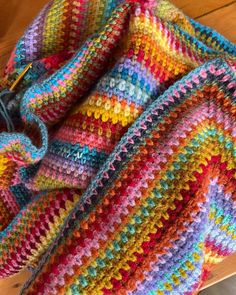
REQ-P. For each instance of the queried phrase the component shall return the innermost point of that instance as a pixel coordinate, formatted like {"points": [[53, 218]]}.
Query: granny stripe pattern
{"points": [[120, 176]]}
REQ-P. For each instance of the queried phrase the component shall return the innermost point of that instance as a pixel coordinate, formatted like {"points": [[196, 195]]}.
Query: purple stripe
{"points": [[33, 38]]}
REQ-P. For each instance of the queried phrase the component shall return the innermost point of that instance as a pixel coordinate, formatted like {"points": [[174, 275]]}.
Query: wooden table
{"points": [[15, 15]]}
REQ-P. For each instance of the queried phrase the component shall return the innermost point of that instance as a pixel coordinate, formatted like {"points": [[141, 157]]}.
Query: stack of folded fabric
{"points": [[117, 150]]}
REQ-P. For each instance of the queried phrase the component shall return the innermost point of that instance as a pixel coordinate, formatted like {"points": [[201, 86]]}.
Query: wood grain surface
{"points": [[15, 16], [196, 8]]}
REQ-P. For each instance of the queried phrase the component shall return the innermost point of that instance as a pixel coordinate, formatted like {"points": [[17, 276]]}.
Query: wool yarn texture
{"points": [[117, 150]]}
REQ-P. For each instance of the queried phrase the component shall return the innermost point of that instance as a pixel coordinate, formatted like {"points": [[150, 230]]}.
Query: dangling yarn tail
{"points": [[5, 96]]}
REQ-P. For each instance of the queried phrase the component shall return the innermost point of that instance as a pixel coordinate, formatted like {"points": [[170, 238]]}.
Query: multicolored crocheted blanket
{"points": [[117, 150]]}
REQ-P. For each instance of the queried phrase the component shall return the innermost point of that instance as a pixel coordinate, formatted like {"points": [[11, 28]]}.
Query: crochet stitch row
{"points": [[170, 177]]}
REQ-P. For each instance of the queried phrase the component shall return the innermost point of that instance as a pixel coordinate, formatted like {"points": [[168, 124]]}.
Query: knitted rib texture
{"points": [[120, 176]]}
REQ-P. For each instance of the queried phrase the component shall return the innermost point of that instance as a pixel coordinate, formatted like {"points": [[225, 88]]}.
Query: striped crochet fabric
{"points": [[120, 177]]}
